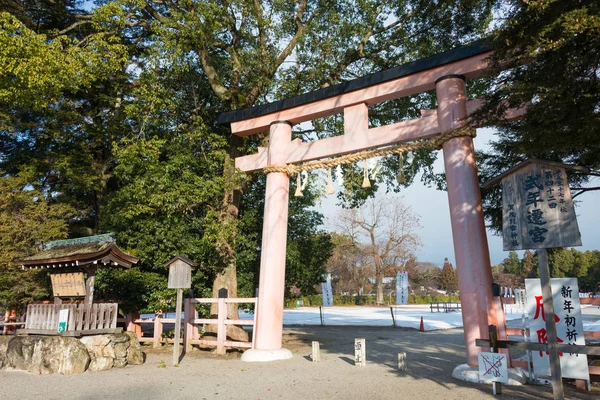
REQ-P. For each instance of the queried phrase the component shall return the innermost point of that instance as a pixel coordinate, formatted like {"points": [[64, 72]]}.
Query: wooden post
{"points": [[89, 286], [316, 351], [497, 386], [177, 327], [221, 328], [158, 329], [402, 366], [189, 314], [360, 352], [321, 315], [393, 318], [557, 386]]}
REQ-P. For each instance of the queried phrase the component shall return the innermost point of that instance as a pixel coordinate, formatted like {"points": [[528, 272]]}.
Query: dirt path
{"points": [[202, 375]]}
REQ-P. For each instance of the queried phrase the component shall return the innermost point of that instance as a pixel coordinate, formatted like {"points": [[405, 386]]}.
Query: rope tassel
{"points": [[298, 186], [329, 183], [401, 178], [366, 183]]}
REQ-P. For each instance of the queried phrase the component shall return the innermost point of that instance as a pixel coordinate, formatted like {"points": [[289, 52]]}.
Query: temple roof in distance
{"points": [[98, 251]]}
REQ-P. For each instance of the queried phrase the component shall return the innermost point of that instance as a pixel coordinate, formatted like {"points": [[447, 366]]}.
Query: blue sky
{"points": [[436, 234]]}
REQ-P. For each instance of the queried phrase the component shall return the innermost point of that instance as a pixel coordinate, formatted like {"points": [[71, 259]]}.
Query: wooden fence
{"points": [[191, 323], [84, 319]]}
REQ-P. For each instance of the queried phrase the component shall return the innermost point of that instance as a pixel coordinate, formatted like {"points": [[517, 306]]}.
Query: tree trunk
{"points": [[379, 286], [227, 278]]}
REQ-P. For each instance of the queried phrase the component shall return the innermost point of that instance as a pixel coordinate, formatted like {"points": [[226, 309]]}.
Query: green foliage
{"points": [[546, 56], [28, 219], [346, 300], [512, 264]]}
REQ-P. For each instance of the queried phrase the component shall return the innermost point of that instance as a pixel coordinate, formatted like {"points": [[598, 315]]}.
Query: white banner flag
{"points": [[401, 287], [569, 326], [327, 292]]}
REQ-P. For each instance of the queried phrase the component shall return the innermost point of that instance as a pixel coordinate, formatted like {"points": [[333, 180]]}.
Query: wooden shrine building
{"points": [[72, 266]]}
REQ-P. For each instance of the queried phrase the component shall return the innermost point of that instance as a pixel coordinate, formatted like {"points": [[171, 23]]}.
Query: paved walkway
{"points": [[202, 375]]}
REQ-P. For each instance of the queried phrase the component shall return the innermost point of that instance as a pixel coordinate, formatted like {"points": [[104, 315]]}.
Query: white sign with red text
{"points": [[569, 326]]}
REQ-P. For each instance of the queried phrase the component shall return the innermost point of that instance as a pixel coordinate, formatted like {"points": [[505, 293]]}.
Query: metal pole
{"points": [[557, 386]]}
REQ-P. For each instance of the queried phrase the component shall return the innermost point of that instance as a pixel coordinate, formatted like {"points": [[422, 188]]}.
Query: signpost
{"points": [[538, 213], [493, 367], [63, 320], [180, 277]]}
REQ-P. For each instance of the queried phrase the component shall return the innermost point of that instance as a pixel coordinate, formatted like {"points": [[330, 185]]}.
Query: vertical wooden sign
{"points": [[537, 209]]}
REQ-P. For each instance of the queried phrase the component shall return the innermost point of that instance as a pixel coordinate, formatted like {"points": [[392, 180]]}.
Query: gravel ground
{"points": [[202, 375]]}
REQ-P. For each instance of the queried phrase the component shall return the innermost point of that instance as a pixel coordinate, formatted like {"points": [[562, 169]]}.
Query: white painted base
{"points": [[464, 372], [254, 355]]}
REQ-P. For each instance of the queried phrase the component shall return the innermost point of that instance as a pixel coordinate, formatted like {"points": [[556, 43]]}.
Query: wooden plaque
{"points": [[67, 285], [537, 209], [180, 275]]}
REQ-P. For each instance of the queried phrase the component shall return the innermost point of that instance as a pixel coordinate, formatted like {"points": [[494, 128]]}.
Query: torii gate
{"points": [[446, 73]]}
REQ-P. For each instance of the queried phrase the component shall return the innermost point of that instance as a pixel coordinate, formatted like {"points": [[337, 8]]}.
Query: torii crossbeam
{"points": [[446, 73]]}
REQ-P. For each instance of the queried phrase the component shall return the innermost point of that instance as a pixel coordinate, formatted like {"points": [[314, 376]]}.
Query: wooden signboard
{"points": [[537, 209], [67, 285], [180, 275]]}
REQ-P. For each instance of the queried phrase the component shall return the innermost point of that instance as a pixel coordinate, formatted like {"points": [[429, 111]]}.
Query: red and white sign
{"points": [[569, 326]]}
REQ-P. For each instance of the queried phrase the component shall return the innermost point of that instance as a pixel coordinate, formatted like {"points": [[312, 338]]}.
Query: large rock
{"points": [[135, 356], [3, 345], [102, 348], [101, 363], [47, 355]]}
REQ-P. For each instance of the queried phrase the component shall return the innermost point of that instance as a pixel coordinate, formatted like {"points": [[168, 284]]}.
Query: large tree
{"points": [[387, 229], [546, 57], [135, 148]]}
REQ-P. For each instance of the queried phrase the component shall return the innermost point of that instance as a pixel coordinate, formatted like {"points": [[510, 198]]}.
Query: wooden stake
{"points": [[557, 386], [316, 351], [402, 366], [177, 327], [360, 352]]}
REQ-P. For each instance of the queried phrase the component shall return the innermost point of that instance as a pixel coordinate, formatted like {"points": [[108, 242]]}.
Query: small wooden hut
{"points": [[72, 266]]}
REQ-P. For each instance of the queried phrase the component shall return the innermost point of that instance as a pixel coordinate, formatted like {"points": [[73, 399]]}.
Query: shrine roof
{"points": [[92, 250], [498, 179], [422, 64]]}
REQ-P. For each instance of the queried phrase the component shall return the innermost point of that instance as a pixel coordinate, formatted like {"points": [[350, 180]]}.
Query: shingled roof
{"points": [[99, 250]]}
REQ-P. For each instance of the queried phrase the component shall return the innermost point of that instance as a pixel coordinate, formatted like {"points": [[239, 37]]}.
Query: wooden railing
{"points": [[191, 331], [84, 319]]}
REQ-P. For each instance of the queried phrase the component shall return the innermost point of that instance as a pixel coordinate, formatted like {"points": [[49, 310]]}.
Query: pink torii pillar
{"points": [[466, 215], [271, 287]]}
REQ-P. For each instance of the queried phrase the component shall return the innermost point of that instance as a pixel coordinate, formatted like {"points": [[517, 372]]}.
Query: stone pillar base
{"points": [[464, 372], [254, 355]]}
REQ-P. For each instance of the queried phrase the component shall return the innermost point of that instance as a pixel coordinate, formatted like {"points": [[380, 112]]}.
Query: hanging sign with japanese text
{"points": [[569, 326], [401, 287], [537, 209], [327, 292]]}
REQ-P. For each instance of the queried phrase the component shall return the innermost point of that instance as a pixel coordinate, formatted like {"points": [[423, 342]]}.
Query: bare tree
{"points": [[348, 267], [387, 229]]}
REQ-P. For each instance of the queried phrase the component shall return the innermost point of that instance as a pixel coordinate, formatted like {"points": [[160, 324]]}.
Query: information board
{"points": [[537, 209], [67, 285]]}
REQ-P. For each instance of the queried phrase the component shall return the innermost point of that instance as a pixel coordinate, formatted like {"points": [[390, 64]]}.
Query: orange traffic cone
{"points": [[422, 327]]}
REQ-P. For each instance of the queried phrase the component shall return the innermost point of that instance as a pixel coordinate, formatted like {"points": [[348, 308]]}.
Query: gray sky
{"points": [[436, 234]]}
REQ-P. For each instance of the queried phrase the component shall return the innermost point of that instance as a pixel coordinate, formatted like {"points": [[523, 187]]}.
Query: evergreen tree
{"points": [[512, 264], [449, 277]]}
